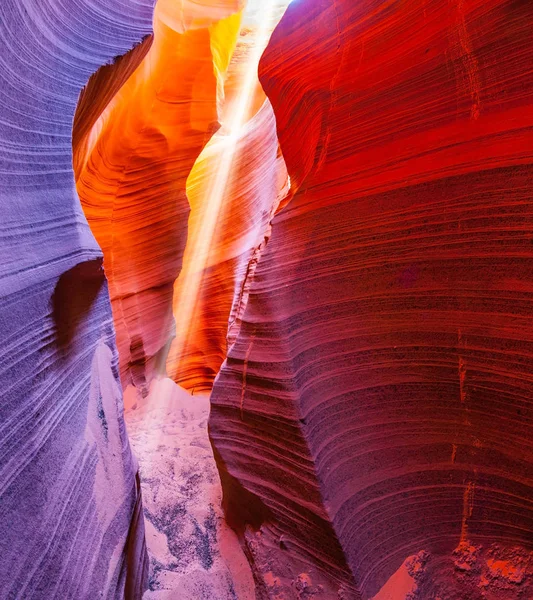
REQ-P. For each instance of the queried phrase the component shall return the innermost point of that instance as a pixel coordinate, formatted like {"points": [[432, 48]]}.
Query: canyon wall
{"points": [[181, 228], [232, 199], [133, 163], [179, 225], [71, 515], [373, 420]]}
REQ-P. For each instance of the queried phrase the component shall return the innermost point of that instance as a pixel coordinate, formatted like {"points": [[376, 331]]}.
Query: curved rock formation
{"points": [[232, 203], [133, 163], [234, 189], [373, 416], [133, 149], [376, 408], [139, 128], [70, 519]]}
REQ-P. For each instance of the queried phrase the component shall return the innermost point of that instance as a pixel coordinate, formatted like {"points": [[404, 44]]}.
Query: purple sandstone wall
{"points": [[70, 507]]}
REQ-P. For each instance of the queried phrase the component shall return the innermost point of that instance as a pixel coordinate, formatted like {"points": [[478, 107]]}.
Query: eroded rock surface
{"points": [[234, 190], [132, 162], [372, 421], [378, 400], [71, 515]]}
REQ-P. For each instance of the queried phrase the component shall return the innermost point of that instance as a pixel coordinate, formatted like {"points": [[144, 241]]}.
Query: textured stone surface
{"points": [[192, 550], [139, 175], [234, 189], [139, 127], [132, 162], [228, 228], [377, 403], [373, 417], [70, 518]]}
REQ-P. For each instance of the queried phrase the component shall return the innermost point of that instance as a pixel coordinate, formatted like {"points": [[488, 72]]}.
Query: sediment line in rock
{"points": [[67, 473], [386, 337]]}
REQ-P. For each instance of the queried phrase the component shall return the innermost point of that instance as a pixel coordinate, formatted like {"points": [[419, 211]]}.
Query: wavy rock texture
{"points": [[135, 156], [70, 518], [232, 203], [139, 127], [133, 162], [234, 189], [376, 409]]}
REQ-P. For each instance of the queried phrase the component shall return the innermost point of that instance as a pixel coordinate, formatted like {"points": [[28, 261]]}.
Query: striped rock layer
{"points": [[133, 161], [180, 225], [372, 418], [71, 516], [373, 421]]}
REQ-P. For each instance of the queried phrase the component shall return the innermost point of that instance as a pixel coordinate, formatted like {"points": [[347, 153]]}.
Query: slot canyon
{"points": [[266, 300]]}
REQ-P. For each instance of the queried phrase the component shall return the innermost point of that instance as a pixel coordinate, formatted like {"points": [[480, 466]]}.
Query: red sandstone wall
{"points": [[381, 381]]}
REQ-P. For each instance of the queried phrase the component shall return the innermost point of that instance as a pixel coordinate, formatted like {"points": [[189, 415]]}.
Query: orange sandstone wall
{"points": [[234, 189], [140, 127], [210, 294], [133, 164]]}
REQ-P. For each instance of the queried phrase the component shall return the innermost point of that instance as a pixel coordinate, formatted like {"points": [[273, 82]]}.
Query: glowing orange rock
{"points": [[234, 190], [132, 166]]}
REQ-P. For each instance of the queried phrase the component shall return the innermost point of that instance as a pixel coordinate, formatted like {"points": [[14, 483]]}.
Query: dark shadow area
{"points": [[137, 564], [73, 296], [241, 507]]}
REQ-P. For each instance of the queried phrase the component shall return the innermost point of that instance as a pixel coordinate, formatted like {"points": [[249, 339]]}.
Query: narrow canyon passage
{"points": [[178, 298], [193, 552], [266, 300]]}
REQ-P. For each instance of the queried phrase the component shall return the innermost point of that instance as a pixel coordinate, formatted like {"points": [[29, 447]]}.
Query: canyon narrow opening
{"points": [[179, 173]]}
